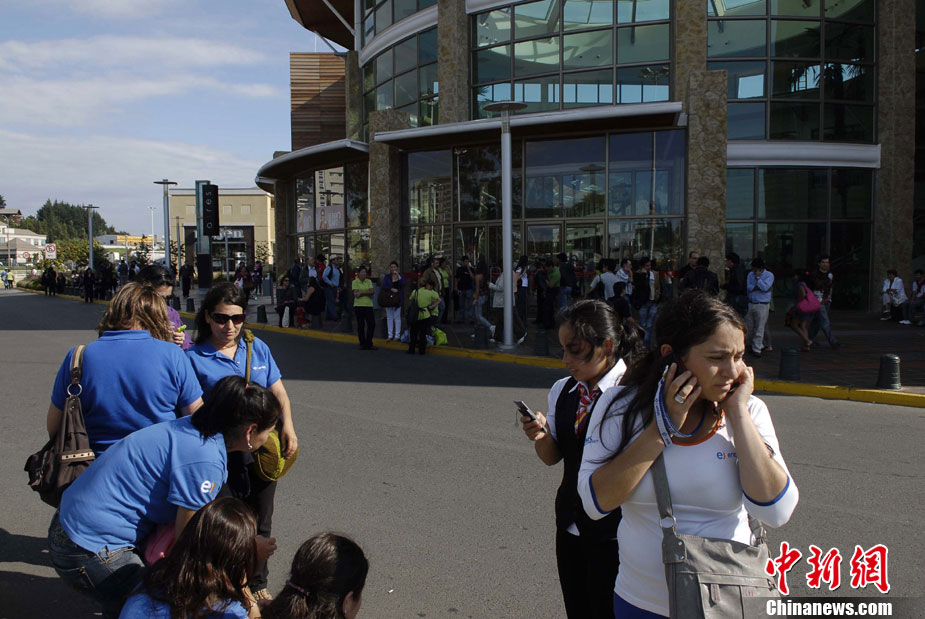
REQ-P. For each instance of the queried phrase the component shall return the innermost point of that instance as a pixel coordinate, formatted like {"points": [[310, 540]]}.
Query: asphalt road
{"points": [[419, 459]]}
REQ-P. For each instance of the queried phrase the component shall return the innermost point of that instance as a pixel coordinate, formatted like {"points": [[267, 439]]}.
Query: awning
{"points": [[327, 155], [631, 116], [315, 15]]}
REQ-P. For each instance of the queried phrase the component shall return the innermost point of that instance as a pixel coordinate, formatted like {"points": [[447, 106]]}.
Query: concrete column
{"points": [[385, 191], [690, 44], [453, 60], [353, 96], [893, 204], [706, 167], [286, 245]]}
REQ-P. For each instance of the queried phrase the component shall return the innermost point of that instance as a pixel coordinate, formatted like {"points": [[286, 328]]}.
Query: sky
{"points": [[99, 98]]}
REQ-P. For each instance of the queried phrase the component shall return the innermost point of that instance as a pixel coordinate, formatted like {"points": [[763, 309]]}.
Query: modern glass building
{"points": [[775, 128]]}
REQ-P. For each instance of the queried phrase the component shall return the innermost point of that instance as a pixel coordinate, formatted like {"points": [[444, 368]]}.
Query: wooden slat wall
{"points": [[317, 91]]}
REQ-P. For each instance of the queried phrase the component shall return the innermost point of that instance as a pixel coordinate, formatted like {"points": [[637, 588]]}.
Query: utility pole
{"points": [[178, 243], [152, 209], [166, 183], [90, 208]]}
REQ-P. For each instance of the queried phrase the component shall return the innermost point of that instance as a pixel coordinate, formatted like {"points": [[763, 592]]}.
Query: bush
{"points": [[30, 283]]}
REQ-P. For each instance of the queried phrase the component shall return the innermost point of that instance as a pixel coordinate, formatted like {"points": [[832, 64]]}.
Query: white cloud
{"points": [[111, 9], [113, 173]]}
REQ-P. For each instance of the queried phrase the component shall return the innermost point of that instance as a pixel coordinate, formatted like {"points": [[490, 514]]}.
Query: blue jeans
{"points": [[647, 319], [564, 292], [108, 576], [330, 305], [479, 311], [821, 323], [465, 306]]}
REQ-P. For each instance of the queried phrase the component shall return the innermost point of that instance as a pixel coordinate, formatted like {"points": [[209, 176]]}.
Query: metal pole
{"points": [[166, 184], [227, 267], [178, 245], [90, 226], [652, 201], [507, 231]]}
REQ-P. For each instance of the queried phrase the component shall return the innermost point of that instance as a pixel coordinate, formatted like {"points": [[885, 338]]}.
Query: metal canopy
{"points": [[327, 155], [316, 16]]}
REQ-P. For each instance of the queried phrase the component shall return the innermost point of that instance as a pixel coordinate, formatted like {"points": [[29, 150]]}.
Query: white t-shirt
{"points": [[607, 381], [609, 280], [706, 496]]}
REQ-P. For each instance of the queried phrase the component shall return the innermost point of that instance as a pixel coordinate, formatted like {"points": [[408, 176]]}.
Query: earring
{"points": [[249, 446]]}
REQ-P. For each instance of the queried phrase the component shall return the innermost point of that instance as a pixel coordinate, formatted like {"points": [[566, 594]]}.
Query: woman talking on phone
{"points": [[219, 350], [689, 401], [593, 343]]}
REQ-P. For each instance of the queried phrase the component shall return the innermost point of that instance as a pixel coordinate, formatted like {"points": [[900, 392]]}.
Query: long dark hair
{"points": [[233, 405], [225, 292], [594, 321], [210, 563], [681, 323], [155, 275], [325, 569]]}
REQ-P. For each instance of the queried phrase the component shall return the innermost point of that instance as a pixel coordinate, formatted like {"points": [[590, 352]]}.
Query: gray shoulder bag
{"points": [[710, 577]]}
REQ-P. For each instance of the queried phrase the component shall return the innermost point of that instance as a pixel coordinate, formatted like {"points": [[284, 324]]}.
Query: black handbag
{"points": [[387, 298], [413, 313], [67, 454]]}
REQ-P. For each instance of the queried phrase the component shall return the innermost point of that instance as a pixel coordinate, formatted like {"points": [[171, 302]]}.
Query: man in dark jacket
{"points": [[735, 283], [701, 278]]}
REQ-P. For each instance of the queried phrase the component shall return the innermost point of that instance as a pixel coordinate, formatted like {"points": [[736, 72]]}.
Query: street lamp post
{"points": [[166, 183], [152, 209], [507, 224], [9, 261], [90, 208]]}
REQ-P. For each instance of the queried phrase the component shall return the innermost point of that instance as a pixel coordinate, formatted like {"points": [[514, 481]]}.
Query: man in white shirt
{"points": [[625, 274], [608, 277], [894, 297]]}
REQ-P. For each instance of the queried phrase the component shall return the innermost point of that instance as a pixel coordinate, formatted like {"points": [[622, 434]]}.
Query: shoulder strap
{"points": [[249, 342], [77, 364]]}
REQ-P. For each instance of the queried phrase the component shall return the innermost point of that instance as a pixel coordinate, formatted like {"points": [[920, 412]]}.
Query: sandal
{"points": [[262, 595]]}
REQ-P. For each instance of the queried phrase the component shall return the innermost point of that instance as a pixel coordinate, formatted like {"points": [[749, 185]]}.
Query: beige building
{"points": [[246, 219]]}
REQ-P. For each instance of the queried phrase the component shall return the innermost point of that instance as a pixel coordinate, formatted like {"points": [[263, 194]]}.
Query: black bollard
{"points": [[789, 364], [190, 305], [541, 344], [262, 314], [175, 303], [889, 373], [481, 336]]}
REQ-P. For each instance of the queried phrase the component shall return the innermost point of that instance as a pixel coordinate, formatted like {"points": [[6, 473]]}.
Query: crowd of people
{"points": [[173, 517]]}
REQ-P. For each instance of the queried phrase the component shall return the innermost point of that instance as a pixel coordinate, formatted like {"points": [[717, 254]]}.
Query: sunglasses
{"points": [[223, 318]]}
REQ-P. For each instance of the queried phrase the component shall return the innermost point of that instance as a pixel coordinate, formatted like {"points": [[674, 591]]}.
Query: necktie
{"points": [[584, 406]]}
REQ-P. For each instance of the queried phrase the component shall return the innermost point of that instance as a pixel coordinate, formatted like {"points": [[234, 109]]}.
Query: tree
{"points": [[2, 202], [78, 252], [143, 253], [61, 221], [262, 252]]}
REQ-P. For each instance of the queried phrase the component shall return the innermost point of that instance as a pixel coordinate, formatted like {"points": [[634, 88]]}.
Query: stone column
{"points": [[385, 191], [893, 205], [706, 167], [286, 245], [453, 60], [690, 44], [353, 95]]}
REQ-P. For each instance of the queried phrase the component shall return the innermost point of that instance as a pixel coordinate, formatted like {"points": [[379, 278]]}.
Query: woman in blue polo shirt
{"points": [[219, 350], [160, 474], [132, 376]]}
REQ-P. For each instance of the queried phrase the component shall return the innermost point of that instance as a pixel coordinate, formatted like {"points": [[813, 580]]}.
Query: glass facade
{"points": [[560, 54], [608, 195], [789, 216], [380, 14], [798, 70], [404, 77], [918, 248], [332, 213]]}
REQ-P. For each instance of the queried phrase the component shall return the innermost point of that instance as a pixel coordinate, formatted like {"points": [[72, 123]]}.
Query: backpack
{"points": [[67, 454], [413, 312]]}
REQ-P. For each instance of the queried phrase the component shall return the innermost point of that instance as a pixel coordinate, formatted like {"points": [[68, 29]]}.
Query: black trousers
{"points": [[186, 282], [587, 572], [419, 332], [366, 325], [259, 495]]}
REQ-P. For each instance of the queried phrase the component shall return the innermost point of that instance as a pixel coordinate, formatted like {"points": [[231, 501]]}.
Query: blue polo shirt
{"points": [[211, 366], [143, 606], [130, 380], [140, 481]]}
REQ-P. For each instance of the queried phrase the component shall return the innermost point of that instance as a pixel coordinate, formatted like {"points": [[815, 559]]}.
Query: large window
{"points": [[617, 195], [404, 77], [332, 213], [380, 14], [560, 54], [798, 70], [790, 216]]}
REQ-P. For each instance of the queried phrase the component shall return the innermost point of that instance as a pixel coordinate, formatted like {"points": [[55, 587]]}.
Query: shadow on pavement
{"points": [[37, 597], [23, 549]]}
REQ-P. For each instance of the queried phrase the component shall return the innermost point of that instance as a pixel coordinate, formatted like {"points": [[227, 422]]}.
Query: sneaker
{"points": [[491, 330], [905, 322], [884, 318], [521, 340], [756, 354]]}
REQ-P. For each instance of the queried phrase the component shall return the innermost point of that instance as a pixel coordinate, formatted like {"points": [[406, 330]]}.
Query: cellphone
{"points": [[525, 410]]}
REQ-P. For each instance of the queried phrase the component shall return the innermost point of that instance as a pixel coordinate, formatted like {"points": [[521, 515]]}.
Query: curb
{"points": [[828, 392]]}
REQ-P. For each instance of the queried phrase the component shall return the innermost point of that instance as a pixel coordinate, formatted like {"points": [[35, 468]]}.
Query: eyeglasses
{"points": [[223, 318]]}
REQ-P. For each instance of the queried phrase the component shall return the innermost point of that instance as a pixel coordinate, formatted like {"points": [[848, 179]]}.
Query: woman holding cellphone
{"points": [[707, 393], [219, 350], [593, 343]]}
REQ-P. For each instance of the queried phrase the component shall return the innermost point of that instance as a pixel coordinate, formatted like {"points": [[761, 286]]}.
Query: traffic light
{"points": [[210, 210]]}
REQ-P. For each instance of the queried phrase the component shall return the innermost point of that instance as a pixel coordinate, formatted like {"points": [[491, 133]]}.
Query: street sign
{"points": [[51, 251], [26, 255]]}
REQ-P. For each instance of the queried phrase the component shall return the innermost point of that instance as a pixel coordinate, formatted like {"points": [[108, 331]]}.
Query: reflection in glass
{"points": [[789, 194], [384, 98], [471, 241], [369, 76], [794, 80], [565, 178], [584, 242], [796, 8], [643, 43], [492, 64], [736, 8], [357, 248], [740, 238], [854, 123], [536, 18], [580, 14], [427, 46], [428, 80], [746, 77], [305, 203], [495, 246], [384, 66], [430, 112], [850, 10], [630, 176], [356, 179], [384, 16], [587, 88], [795, 39], [745, 121], [404, 8], [539, 93], [478, 184], [643, 84], [635, 11], [430, 192], [406, 55], [329, 199], [794, 121], [406, 88], [369, 28], [493, 27], [790, 247], [728, 38], [852, 193], [849, 42], [660, 239], [850, 251], [536, 56], [849, 82], [487, 94], [740, 193], [544, 241], [425, 242], [587, 49]]}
